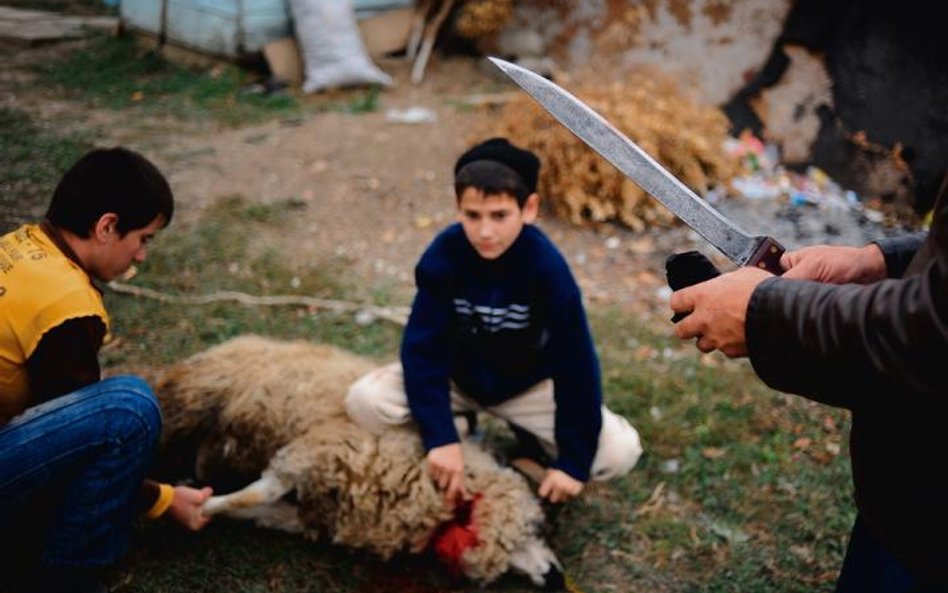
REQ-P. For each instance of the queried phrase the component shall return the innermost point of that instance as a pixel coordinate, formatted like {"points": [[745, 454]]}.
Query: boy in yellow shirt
{"points": [[74, 448]]}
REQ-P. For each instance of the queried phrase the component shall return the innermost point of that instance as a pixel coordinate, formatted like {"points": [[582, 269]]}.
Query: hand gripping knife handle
{"points": [[691, 267], [684, 269]]}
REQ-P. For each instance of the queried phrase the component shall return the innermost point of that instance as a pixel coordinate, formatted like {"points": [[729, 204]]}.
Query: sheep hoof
{"points": [[554, 580]]}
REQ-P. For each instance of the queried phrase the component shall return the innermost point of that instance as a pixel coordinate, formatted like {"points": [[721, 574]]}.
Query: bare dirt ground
{"points": [[371, 193], [375, 192]]}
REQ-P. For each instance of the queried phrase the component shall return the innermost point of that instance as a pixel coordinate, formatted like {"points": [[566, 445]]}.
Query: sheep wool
{"points": [[255, 406]]}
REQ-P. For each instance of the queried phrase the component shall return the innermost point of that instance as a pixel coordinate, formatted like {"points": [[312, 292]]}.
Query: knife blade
{"points": [[624, 154]]}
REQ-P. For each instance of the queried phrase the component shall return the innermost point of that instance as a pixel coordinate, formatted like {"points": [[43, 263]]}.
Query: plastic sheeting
{"points": [[225, 27]]}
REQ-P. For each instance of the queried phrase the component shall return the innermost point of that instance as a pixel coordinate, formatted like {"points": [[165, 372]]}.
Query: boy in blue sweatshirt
{"points": [[498, 325]]}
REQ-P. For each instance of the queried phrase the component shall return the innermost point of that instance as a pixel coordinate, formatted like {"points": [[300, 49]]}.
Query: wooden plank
{"points": [[386, 32], [283, 58], [35, 27]]}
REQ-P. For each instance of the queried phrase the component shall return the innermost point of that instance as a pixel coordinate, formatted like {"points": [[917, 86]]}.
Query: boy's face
{"points": [[116, 253], [493, 222]]}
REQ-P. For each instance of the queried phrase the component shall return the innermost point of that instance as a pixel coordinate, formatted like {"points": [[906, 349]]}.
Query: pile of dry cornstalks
{"points": [[479, 18], [684, 136]]}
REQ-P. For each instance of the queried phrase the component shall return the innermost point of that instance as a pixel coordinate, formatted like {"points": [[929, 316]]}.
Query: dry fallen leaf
{"points": [[802, 443], [713, 452], [643, 246], [710, 360], [643, 352]]}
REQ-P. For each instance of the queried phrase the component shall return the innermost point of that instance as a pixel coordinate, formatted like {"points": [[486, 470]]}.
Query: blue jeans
{"points": [[84, 455], [870, 568]]}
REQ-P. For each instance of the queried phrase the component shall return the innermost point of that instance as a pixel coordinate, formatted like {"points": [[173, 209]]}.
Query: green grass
{"points": [[749, 509], [115, 73], [760, 501], [226, 251], [32, 157]]}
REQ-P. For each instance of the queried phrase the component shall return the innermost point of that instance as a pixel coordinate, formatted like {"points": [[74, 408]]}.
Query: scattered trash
{"points": [[798, 208], [411, 115], [669, 466], [766, 179], [753, 152], [757, 187]]}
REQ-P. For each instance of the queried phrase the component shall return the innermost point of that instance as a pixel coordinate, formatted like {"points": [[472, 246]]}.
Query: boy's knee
{"points": [[133, 405], [359, 401], [619, 448], [376, 400]]}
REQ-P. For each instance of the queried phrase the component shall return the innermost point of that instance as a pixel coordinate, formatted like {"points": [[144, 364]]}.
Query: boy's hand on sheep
{"points": [[558, 486], [446, 466], [186, 506]]}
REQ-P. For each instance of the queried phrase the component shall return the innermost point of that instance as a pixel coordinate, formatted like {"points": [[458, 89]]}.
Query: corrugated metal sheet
{"points": [[365, 8], [225, 27]]}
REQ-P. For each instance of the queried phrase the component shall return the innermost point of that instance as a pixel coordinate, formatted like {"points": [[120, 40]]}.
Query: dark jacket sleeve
{"points": [[577, 388], [899, 251], [148, 494], [65, 359], [832, 343], [426, 358]]}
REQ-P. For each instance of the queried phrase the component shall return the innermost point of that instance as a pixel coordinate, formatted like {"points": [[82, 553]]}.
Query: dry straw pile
{"points": [[684, 136], [480, 18]]}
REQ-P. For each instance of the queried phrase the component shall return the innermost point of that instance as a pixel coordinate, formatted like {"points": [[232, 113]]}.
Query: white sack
{"points": [[333, 52]]}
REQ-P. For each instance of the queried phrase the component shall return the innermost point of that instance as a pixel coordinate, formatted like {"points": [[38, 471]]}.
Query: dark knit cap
{"points": [[523, 162]]}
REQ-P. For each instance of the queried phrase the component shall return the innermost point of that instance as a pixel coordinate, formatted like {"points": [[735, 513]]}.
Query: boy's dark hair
{"points": [[497, 166], [115, 180]]}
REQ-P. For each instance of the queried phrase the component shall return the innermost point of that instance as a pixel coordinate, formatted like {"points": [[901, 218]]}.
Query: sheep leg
{"points": [[265, 491], [536, 560], [280, 515]]}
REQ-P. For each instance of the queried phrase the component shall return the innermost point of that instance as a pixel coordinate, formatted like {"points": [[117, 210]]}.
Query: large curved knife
{"points": [[637, 165]]}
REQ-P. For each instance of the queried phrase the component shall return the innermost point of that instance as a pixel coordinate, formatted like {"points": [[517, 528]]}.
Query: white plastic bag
{"points": [[333, 52]]}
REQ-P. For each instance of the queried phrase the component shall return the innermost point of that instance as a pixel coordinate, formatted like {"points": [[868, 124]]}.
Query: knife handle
{"points": [[767, 255], [684, 269]]}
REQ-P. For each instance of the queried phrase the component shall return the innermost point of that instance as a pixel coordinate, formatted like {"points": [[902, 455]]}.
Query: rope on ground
{"points": [[365, 314]]}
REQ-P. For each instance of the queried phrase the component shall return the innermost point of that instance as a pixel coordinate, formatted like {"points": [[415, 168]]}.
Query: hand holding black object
{"points": [[684, 269]]}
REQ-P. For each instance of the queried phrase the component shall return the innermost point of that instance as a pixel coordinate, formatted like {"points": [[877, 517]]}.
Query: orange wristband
{"points": [[165, 496]]}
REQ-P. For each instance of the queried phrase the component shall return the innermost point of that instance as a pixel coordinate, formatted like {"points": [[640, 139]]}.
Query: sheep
{"points": [[256, 406]]}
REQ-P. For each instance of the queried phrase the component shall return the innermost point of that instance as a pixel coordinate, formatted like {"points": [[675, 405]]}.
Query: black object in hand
{"points": [[684, 269]]}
